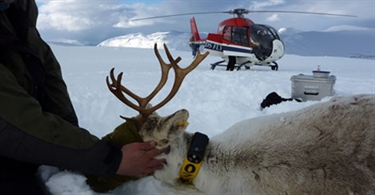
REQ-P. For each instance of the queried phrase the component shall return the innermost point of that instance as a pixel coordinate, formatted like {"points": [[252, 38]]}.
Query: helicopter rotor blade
{"points": [[240, 12], [174, 15], [300, 12]]}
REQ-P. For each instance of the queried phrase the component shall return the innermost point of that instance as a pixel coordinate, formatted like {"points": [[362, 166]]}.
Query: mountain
{"points": [[343, 41], [174, 39], [66, 42]]}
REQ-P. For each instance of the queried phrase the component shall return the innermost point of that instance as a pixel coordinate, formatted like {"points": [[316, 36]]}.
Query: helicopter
{"points": [[239, 41]]}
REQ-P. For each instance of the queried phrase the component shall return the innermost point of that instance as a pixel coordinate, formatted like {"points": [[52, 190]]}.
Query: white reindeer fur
{"points": [[327, 148]]}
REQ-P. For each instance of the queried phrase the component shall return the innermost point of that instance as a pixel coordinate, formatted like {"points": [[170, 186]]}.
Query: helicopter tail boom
{"points": [[195, 40], [194, 30]]}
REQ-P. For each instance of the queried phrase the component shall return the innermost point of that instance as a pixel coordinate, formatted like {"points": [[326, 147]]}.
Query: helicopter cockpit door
{"points": [[262, 37]]}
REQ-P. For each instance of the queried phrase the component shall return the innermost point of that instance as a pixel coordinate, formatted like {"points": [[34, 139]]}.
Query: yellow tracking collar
{"points": [[194, 158]]}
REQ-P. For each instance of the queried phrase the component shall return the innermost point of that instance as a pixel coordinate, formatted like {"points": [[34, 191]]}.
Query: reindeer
{"points": [[327, 148], [127, 132]]}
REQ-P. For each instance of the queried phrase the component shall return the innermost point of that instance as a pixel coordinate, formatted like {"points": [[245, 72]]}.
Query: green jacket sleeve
{"points": [[29, 134]]}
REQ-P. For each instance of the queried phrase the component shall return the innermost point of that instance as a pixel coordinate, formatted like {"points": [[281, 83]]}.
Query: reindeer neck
{"points": [[195, 145]]}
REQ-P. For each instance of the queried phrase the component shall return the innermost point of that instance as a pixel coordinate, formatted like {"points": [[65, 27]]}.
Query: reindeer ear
{"points": [[149, 105], [149, 126]]}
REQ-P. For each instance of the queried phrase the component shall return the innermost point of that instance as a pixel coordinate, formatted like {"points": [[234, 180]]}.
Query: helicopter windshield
{"points": [[263, 32], [272, 30], [262, 37]]}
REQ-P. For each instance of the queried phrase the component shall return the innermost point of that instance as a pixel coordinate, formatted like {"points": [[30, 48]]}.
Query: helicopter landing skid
{"points": [[220, 63], [274, 66], [213, 65]]}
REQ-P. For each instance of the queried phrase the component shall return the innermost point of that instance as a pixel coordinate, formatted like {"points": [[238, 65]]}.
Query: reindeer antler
{"points": [[118, 90]]}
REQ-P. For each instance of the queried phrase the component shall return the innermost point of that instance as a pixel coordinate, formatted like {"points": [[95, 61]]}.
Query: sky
{"points": [[93, 21], [216, 99]]}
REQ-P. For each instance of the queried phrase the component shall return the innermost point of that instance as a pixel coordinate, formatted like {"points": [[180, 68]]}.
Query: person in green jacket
{"points": [[38, 125]]}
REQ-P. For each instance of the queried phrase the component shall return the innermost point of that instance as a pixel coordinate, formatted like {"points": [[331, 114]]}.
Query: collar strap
{"points": [[194, 158]]}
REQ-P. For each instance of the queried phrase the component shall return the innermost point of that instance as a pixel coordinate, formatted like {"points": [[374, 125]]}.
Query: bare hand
{"points": [[138, 159]]}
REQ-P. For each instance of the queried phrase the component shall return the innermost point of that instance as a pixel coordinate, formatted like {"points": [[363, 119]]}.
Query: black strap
{"points": [[274, 98]]}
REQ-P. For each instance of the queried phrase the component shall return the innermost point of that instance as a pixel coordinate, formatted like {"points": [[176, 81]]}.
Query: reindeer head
{"points": [[164, 129], [148, 118]]}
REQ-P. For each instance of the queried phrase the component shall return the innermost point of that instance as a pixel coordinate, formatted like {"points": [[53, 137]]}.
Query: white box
{"points": [[308, 87]]}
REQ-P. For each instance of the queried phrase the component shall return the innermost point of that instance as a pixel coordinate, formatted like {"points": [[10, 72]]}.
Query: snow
{"points": [[216, 99], [174, 39]]}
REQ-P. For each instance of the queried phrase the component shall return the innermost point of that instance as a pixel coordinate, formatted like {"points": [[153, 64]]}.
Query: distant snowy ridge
{"points": [[288, 31], [346, 27], [66, 42], [343, 41], [174, 40]]}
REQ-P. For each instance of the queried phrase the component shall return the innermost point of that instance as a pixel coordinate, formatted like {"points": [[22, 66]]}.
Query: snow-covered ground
{"points": [[216, 99]]}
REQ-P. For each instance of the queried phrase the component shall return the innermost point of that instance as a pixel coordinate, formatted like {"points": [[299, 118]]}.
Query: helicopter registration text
{"points": [[213, 46]]}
